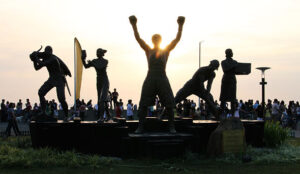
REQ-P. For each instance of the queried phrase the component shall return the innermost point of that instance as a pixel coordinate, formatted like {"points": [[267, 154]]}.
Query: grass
{"points": [[17, 156], [294, 141], [128, 168]]}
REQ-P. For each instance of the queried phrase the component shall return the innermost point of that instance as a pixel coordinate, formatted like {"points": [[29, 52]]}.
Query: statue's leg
{"points": [[45, 88], [224, 109], [170, 113], [183, 93], [232, 107], [147, 99], [60, 90], [100, 103], [208, 98], [142, 112], [166, 96], [103, 99], [100, 110]]}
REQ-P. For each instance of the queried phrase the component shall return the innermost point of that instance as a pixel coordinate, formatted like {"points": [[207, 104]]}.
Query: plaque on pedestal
{"points": [[233, 141]]}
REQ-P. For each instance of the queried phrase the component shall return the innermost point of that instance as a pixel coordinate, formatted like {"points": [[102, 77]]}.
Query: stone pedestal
{"points": [[229, 136]]}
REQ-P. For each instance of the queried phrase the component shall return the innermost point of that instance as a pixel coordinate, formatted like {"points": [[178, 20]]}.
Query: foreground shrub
{"points": [[275, 134]]}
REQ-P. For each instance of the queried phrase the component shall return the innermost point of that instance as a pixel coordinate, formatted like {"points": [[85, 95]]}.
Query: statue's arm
{"points": [[39, 60], [210, 81], [172, 45], [36, 66], [88, 64], [226, 66], [142, 43], [83, 58]]}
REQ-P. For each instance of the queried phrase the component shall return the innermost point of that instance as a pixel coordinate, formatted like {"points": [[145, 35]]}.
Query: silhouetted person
{"points": [[228, 86], [11, 118], [196, 86], [57, 72], [156, 82], [115, 96], [100, 65], [3, 111]]}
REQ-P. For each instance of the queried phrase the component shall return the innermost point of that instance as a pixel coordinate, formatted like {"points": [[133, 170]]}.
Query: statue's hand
{"points": [[132, 20], [180, 20], [83, 54], [33, 56]]}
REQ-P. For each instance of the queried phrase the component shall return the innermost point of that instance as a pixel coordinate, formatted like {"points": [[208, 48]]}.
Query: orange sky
{"points": [[265, 33]]}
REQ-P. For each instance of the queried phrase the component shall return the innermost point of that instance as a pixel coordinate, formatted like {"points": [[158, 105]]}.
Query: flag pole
{"points": [[75, 74]]}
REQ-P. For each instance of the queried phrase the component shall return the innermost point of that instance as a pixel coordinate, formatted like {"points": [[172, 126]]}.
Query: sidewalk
{"points": [[23, 127], [297, 133]]}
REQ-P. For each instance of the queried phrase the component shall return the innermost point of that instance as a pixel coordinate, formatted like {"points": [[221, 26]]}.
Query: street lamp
{"points": [[263, 83]]}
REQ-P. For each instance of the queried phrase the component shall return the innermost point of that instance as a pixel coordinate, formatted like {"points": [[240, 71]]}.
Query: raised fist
{"points": [[83, 54], [132, 20], [180, 20]]}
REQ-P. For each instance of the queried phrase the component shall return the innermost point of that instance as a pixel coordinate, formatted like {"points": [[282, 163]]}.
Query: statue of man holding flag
{"points": [[100, 65]]}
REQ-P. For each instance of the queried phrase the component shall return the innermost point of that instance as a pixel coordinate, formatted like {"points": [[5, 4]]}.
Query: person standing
{"points": [[275, 115], [115, 96], [28, 108], [156, 82], [11, 118], [19, 107], [118, 110], [129, 110], [3, 111]]}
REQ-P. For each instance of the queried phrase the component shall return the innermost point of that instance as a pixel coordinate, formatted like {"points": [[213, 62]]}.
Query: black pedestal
{"points": [[118, 138]]}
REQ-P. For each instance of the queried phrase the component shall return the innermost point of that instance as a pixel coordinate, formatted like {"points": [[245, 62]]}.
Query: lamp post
{"points": [[263, 83], [200, 63]]}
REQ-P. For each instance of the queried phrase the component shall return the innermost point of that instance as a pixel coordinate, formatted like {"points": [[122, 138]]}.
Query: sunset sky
{"points": [[262, 32]]}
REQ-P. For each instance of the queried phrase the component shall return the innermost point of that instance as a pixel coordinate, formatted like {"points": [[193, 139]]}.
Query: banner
{"points": [[77, 68]]}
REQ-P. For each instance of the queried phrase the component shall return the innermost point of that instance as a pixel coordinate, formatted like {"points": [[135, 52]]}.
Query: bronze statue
{"points": [[196, 86], [228, 86], [156, 82], [100, 65], [57, 71]]}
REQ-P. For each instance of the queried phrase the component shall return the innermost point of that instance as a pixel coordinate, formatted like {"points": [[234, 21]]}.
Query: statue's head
{"points": [[214, 64], [48, 50], [228, 52], [100, 52], [156, 40]]}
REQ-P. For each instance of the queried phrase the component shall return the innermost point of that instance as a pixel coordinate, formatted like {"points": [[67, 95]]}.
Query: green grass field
{"points": [[131, 168], [17, 157]]}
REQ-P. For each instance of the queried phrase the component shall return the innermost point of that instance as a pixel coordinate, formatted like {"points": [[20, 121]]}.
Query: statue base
{"points": [[117, 138]]}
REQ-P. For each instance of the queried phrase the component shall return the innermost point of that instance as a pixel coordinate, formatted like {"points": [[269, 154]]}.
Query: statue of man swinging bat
{"points": [[156, 82], [57, 71]]}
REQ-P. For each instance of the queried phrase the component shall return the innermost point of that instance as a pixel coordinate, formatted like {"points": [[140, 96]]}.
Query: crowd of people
{"points": [[288, 114]]}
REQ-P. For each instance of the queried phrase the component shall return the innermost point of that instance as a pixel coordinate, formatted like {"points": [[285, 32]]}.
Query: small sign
{"points": [[233, 141]]}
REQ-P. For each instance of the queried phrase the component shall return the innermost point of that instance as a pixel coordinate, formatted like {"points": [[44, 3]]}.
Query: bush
{"points": [[275, 134]]}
